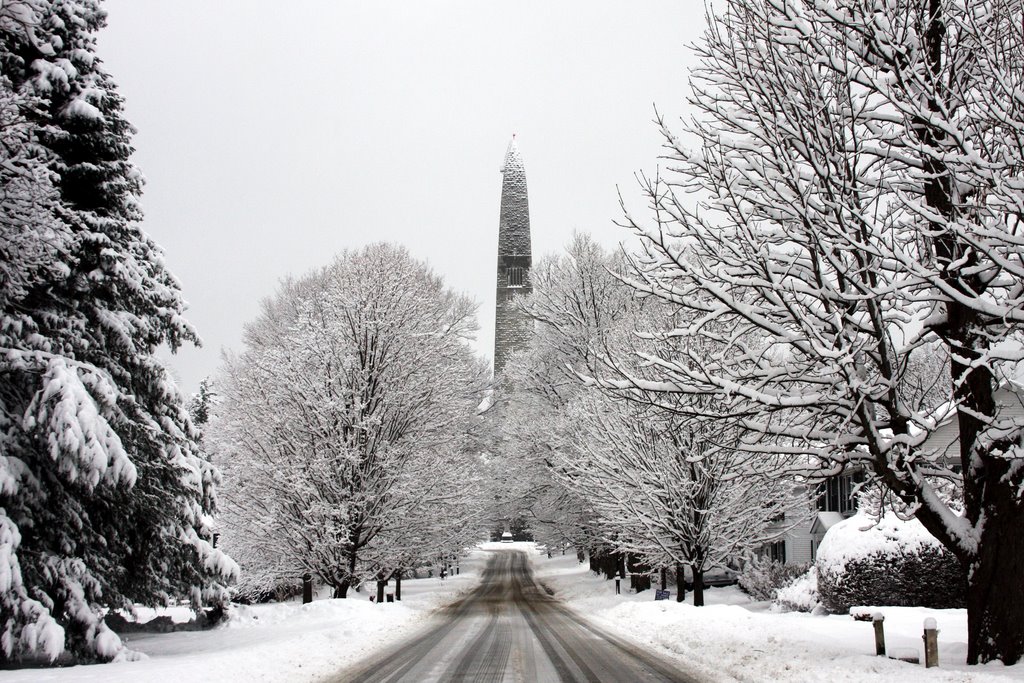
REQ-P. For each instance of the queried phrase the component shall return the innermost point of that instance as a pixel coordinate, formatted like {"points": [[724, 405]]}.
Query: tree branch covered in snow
{"points": [[674, 490], [637, 476]]}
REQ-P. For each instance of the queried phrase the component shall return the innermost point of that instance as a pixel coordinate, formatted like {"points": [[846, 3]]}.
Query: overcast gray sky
{"points": [[275, 134]]}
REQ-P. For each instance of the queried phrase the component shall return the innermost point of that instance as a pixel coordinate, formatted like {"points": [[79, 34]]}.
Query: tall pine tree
{"points": [[105, 497]]}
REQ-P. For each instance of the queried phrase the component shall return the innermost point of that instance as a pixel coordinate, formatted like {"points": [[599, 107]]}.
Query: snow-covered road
{"points": [[509, 629]]}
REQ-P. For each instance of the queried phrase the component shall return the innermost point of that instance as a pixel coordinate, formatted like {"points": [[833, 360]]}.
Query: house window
{"points": [[777, 552], [516, 277], [835, 494]]}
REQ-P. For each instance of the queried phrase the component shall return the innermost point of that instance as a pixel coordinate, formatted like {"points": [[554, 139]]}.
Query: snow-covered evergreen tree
{"points": [[105, 500], [201, 403]]}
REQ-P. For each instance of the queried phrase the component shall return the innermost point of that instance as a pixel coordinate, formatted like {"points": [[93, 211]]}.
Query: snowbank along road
{"points": [[508, 629]]}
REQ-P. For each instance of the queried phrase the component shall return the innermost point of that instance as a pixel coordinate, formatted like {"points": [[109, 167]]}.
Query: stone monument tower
{"points": [[515, 258]]}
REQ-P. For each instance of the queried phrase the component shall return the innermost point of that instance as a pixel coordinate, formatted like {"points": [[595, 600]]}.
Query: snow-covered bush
{"points": [[251, 590], [888, 562], [762, 578], [801, 594]]}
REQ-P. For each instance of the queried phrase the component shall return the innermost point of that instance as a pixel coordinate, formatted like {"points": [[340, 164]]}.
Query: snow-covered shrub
{"points": [[255, 592], [761, 578], [801, 594], [264, 579], [891, 562]]}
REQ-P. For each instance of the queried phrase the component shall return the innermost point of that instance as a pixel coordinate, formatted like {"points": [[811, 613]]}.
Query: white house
{"points": [[834, 502]]}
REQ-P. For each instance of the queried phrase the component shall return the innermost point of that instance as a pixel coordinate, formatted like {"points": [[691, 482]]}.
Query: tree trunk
{"points": [[621, 562], [307, 588], [380, 591], [664, 578], [607, 564], [698, 586], [995, 603], [398, 586], [341, 590], [680, 583]]}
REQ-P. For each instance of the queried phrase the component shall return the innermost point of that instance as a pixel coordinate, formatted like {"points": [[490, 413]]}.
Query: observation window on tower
{"points": [[516, 276]]}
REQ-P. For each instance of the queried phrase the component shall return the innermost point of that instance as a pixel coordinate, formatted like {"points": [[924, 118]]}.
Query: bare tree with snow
{"points": [[855, 195], [345, 414], [576, 302], [635, 476], [674, 490]]}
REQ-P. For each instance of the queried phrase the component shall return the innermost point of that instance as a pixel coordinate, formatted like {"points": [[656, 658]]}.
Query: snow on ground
{"points": [[276, 642], [732, 638], [729, 639]]}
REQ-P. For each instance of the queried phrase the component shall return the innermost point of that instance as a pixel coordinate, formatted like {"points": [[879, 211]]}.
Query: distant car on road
{"points": [[506, 537]]}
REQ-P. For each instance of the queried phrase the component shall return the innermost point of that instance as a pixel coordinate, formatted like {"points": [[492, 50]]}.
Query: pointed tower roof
{"points": [[512, 328], [514, 220]]}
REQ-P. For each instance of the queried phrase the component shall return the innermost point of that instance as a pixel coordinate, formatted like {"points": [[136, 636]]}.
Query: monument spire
{"points": [[515, 258]]}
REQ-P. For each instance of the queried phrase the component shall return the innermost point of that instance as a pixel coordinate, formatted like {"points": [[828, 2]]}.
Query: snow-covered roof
{"points": [[486, 403], [824, 521]]}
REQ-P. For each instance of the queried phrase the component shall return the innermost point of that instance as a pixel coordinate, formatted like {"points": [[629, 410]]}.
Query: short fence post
{"points": [[618, 588], [307, 588], [878, 619], [931, 643]]}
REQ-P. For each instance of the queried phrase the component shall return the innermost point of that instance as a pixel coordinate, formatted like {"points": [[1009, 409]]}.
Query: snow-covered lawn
{"points": [[278, 642], [732, 638]]}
